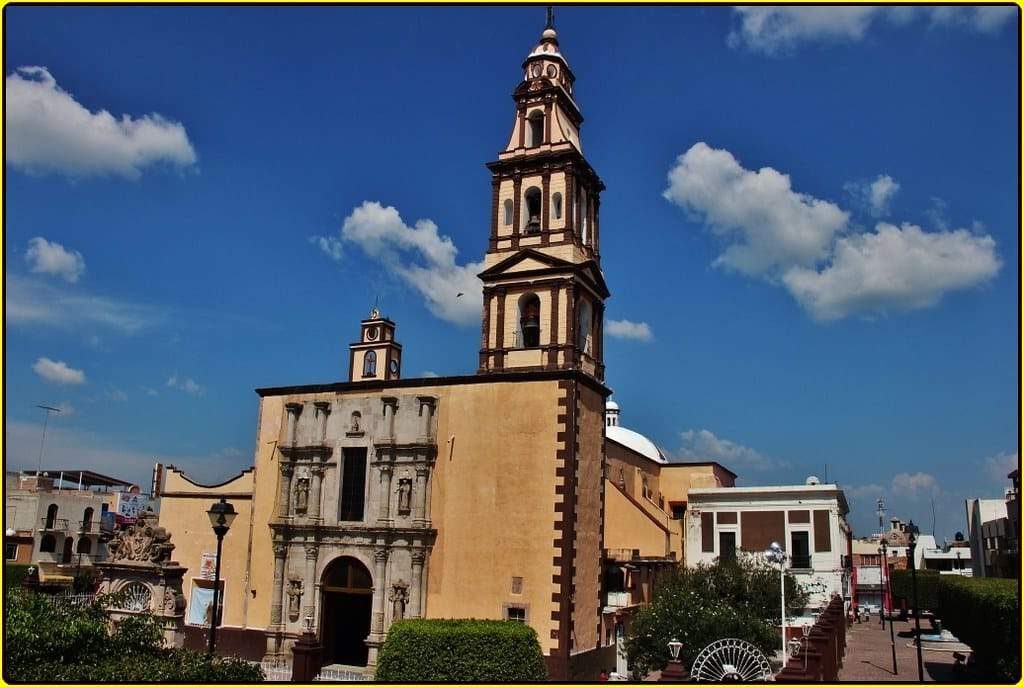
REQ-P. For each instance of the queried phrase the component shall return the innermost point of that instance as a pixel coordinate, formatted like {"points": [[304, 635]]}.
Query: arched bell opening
{"points": [[533, 205], [529, 320]]}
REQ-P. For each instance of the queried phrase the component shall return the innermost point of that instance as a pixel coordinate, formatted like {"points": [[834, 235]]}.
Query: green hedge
{"points": [[14, 573], [927, 589], [984, 613], [460, 651]]}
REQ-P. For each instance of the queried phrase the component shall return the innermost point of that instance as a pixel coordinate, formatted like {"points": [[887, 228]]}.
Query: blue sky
{"points": [[813, 211]]}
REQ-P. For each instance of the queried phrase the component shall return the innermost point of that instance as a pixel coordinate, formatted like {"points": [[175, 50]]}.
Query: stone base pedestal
{"points": [[306, 658], [147, 587]]}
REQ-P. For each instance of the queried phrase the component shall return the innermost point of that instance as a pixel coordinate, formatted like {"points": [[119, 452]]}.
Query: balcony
{"points": [[53, 524], [89, 526], [618, 599]]}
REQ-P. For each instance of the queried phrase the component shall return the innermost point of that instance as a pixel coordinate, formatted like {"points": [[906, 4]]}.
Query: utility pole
{"points": [[42, 442]]}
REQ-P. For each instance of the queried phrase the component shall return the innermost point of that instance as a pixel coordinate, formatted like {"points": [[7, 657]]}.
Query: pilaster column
{"points": [[415, 609], [293, 410], [572, 307], [380, 562], [384, 493], [309, 585], [428, 405], [569, 205], [315, 484], [420, 504], [322, 410], [390, 408], [277, 590], [284, 498]]}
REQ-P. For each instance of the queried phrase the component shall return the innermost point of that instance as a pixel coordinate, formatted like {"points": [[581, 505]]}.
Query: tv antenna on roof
{"points": [[42, 442]]}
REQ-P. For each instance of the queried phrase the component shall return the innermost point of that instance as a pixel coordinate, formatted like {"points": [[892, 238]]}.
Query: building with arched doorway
{"points": [[382, 497]]}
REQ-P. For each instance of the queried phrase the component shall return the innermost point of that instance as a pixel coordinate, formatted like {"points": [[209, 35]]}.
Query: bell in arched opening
{"points": [[529, 320]]}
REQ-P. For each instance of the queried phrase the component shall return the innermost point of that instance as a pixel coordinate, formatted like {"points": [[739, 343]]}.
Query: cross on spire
{"points": [[551, 18]]}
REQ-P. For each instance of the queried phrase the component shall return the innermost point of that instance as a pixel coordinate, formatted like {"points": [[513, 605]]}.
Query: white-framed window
{"points": [[200, 602]]}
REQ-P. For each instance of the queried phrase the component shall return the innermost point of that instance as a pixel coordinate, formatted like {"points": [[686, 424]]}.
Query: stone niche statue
{"points": [[301, 494], [140, 570], [399, 597], [404, 496], [294, 598]]}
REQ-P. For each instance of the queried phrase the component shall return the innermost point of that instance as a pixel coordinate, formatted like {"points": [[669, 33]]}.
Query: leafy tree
{"points": [[50, 639], [700, 605]]}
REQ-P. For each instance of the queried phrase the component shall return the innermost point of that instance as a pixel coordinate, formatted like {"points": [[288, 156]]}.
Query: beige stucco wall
{"points": [[183, 507], [627, 526], [493, 502]]}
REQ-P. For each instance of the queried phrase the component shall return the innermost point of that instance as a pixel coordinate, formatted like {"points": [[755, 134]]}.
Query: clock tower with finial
{"points": [[376, 356], [544, 291]]}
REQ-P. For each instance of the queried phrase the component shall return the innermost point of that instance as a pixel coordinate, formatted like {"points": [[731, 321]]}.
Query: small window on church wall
{"points": [[508, 212], [532, 197], [583, 330], [370, 364], [556, 206], [535, 129], [529, 321]]}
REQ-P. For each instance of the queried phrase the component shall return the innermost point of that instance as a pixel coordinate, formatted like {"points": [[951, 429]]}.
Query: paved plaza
{"points": [[869, 656]]}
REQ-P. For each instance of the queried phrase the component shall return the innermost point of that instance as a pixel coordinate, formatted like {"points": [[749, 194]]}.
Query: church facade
{"points": [[479, 496]]}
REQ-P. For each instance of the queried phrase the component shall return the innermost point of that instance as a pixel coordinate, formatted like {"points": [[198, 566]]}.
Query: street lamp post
{"points": [[912, 541], [674, 671], [887, 596], [221, 515], [776, 553]]}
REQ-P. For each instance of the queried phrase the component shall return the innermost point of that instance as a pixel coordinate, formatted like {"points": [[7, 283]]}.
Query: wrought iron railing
{"points": [[54, 524]]}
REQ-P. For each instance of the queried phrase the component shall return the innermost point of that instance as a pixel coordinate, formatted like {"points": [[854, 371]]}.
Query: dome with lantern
{"points": [[634, 441]]}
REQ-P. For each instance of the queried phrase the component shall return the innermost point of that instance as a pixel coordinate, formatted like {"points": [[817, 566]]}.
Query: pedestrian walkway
{"points": [[869, 655]]}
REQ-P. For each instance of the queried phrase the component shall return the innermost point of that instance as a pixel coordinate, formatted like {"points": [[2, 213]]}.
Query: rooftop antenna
{"points": [[42, 442], [826, 473], [551, 18], [933, 517]]}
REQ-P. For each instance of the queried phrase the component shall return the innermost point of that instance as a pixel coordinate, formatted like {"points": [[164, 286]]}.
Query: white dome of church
{"points": [[634, 441]]}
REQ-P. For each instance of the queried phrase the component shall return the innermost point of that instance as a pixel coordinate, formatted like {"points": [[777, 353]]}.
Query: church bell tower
{"points": [[544, 291]]}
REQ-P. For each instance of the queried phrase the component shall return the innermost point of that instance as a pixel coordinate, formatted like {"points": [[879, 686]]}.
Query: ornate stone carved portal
{"points": [[140, 571]]}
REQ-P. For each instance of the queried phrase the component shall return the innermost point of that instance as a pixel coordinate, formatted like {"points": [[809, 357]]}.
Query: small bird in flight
{"points": [[458, 295]]}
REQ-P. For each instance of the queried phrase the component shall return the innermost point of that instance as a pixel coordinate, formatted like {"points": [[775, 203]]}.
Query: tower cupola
{"points": [[543, 287]]}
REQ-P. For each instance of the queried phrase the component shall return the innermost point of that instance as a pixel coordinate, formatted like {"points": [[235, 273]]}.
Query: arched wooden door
{"points": [[347, 600]]}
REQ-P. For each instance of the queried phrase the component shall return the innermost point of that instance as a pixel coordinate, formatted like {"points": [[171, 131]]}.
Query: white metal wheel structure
{"points": [[730, 660]]}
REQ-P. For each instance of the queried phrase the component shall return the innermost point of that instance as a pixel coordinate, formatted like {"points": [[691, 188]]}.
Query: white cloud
{"points": [[330, 245], [430, 373], [876, 195], [66, 409], [52, 258], [796, 240], [186, 384], [47, 130], [769, 226], [863, 491], [32, 302], [149, 391], [58, 372], [116, 395], [778, 30], [702, 444], [421, 257], [893, 269], [997, 467], [915, 486], [624, 329]]}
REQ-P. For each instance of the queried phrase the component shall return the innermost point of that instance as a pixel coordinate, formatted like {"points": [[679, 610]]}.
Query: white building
{"points": [[808, 521]]}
